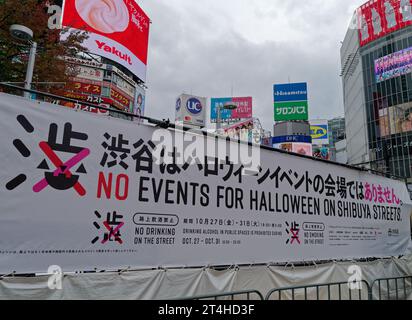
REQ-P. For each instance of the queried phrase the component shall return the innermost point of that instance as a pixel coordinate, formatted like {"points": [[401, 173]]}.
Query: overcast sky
{"points": [[208, 47]]}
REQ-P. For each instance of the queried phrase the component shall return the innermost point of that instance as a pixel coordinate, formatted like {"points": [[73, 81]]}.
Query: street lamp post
{"points": [[219, 108], [25, 34]]}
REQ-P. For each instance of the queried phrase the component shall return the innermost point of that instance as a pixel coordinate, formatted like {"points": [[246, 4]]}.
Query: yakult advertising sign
{"points": [[118, 30]]}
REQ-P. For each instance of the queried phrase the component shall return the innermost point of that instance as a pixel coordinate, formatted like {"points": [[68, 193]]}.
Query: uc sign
{"points": [[318, 132], [194, 106]]}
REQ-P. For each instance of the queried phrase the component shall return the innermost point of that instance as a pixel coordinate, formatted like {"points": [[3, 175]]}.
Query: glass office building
{"points": [[377, 85]]}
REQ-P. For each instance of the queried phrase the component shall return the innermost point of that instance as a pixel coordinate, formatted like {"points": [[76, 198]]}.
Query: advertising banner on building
{"points": [[321, 153], [85, 87], [121, 98], [97, 100], [139, 104], [291, 101], [302, 148], [88, 73], [82, 107], [378, 18], [319, 131], [191, 110], [118, 30], [84, 192], [244, 131], [292, 138], [393, 65], [395, 120], [290, 92], [244, 108], [289, 111]]}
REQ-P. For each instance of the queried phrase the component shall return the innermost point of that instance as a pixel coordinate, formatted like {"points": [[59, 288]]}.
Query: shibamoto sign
{"points": [[82, 192], [290, 92], [291, 101], [118, 30]]}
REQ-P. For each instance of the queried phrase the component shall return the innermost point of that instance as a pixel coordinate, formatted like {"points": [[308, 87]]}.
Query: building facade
{"points": [[102, 82], [336, 128], [377, 88], [336, 133]]}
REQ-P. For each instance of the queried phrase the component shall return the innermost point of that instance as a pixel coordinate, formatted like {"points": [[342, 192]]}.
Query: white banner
{"points": [[81, 192]]}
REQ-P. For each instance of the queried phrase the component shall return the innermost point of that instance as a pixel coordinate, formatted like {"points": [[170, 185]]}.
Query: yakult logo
{"points": [[194, 106], [115, 51]]}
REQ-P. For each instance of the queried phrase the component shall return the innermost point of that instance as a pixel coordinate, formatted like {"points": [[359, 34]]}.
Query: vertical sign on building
{"points": [[291, 102]]}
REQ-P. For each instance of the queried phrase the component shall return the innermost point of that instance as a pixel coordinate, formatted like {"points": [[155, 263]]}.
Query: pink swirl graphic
{"points": [[106, 16]]}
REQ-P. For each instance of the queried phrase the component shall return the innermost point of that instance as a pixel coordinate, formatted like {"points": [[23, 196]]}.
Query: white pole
{"points": [[30, 69], [218, 117]]}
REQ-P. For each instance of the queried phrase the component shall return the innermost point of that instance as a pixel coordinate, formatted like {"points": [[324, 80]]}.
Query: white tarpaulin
{"points": [[185, 283], [83, 192]]}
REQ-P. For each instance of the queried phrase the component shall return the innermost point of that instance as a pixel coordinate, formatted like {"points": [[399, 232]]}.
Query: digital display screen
{"points": [[393, 65]]}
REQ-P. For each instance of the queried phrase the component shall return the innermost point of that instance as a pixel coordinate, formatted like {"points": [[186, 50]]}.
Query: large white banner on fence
{"points": [[83, 192]]}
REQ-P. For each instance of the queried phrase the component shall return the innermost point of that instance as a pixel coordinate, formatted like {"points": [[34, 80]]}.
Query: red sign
{"points": [[85, 87], [244, 108], [118, 30], [81, 107], [88, 98], [378, 18], [116, 95]]}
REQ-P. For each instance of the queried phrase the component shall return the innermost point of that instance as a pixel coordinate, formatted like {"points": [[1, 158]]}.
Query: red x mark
{"points": [[295, 236], [112, 232], [59, 164]]}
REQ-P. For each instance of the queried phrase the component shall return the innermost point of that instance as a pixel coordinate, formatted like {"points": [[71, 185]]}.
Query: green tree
{"points": [[49, 67]]}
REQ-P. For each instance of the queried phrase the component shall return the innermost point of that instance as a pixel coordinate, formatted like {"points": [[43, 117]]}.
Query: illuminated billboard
{"points": [[299, 148], [243, 110], [393, 65], [378, 18], [118, 30], [395, 120]]}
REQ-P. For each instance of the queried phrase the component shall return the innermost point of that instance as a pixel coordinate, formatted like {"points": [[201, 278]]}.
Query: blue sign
{"points": [[290, 92], [319, 132], [296, 138], [220, 102], [194, 106], [178, 104]]}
